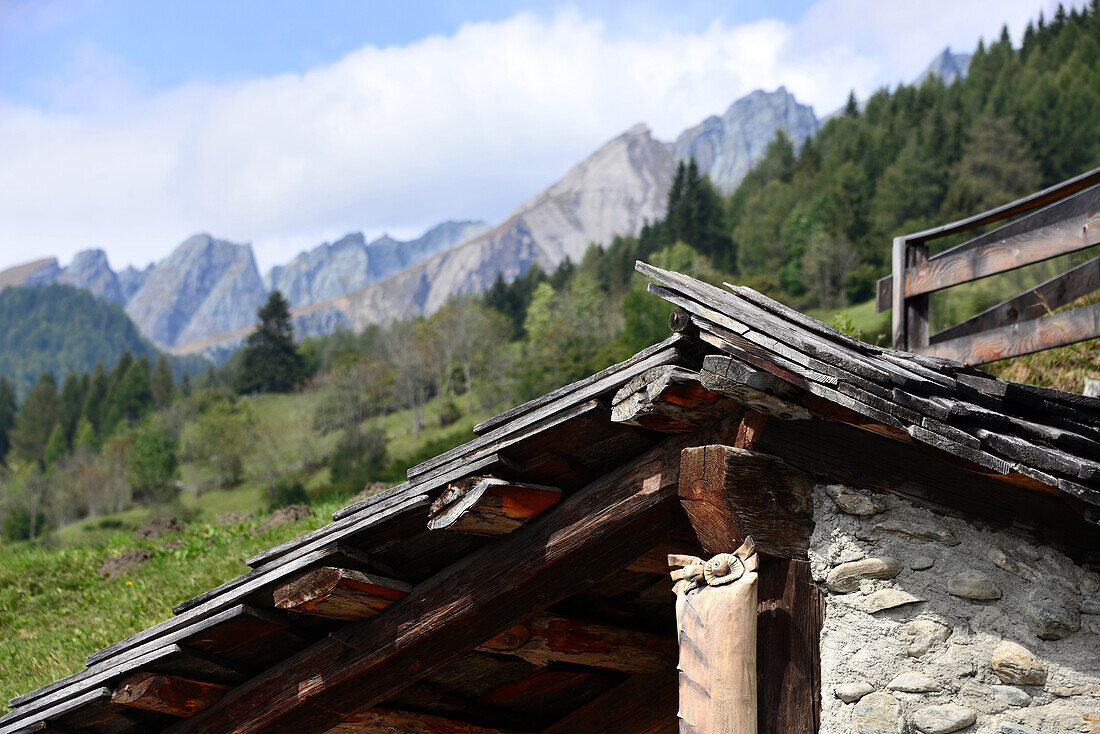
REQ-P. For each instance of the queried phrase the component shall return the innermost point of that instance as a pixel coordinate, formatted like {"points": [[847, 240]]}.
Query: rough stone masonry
{"points": [[935, 625]]}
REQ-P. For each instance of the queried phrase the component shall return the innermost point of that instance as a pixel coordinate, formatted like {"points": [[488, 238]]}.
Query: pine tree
{"points": [[7, 415], [131, 397], [35, 422], [72, 402], [271, 362], [162, 383], [95, 404], [851, 108]]}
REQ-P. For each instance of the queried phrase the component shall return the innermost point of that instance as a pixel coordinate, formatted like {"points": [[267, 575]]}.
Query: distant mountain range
{"points": [[203, 297]]}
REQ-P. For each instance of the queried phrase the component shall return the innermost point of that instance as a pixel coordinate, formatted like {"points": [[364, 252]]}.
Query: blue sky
{"points": [[130, 125]]}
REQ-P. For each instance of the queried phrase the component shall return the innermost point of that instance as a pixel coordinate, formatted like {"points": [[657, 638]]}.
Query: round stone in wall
{"points": [[854, 502], [912, 681], [878, 713], [1091, 605], [852, 692], [919, 563], [943, 719], [973, 585], [882, 599], [845, 578], [1051, 622], [1015, 664], [924, 633]]}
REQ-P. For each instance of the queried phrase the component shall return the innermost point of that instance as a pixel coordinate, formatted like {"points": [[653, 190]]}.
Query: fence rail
{"points": [[1056, 221]]}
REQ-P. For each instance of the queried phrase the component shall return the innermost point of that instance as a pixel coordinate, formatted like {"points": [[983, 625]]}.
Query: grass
{"points": [[55, 609]]}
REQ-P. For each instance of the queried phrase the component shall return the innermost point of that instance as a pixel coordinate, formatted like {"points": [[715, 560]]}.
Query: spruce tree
{"points": [[162, 383], [35, 422], [7, 415], [271, 362], [95, 404]]}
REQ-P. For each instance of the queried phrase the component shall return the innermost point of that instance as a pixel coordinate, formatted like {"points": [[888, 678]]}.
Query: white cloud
{"points": [[400, 138]]}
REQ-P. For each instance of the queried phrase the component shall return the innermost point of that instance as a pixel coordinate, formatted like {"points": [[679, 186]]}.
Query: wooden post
{"points": [[916, 307], [897, 314], [730, 493], [716, 621]]}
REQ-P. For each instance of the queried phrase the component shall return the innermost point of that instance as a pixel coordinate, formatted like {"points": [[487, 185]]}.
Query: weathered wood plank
{"points": [[51, 712], [669, 399], [589, 536], [731, 493], [642, 704], [77, 686], [547, 638], [388, 721], [167, 694], [1031, 304], [1065, 226], [751, 387], [338, 593], [1025, 337], [489, 506]]}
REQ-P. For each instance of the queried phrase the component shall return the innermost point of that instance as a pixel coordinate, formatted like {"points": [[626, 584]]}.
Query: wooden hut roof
{"points": [[520, 618]]}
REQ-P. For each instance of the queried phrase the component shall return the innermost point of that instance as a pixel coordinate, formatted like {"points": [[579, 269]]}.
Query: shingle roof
{"points": [[1030, 439]]}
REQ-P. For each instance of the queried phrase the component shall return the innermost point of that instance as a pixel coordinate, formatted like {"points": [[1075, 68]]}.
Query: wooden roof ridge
{"points": [[1044, 435]]}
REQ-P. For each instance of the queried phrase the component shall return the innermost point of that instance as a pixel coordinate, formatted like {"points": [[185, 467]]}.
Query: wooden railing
{"points": [[1056, 221]]}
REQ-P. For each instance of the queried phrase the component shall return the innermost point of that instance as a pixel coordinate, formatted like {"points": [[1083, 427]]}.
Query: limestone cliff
{"points": [[726, 147], [206, 286], [331, 270]]}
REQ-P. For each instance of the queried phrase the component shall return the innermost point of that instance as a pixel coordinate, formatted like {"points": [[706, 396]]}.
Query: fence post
{"points": [[916, 307], [898, 306]]}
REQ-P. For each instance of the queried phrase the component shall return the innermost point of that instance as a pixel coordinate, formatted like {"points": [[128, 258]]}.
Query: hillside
{"points": [[61, 329]]}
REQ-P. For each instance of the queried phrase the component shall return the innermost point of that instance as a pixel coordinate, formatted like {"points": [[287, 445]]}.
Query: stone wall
{"points": [[935, 624]]}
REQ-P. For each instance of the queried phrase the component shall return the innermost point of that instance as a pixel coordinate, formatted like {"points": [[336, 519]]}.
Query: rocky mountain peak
{"points": [[947, 66], [206, 286], [726, 147], [90, 270]]}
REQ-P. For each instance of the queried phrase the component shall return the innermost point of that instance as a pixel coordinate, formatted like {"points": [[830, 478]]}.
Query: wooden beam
{"points": [[788, 629], [751, 387], [489, 506], [338, 593], [388, 721], [642, 704], [669, 399], [1032, 303], [1026, 337], [167, 694], [730, 493], [547, 638], [590, 535]]}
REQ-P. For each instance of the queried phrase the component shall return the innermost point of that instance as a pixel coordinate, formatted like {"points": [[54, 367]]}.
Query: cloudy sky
{"points": [[129, 125]]}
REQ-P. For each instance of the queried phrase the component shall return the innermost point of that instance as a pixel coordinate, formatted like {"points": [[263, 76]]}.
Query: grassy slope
{"points": [[54, 608]]}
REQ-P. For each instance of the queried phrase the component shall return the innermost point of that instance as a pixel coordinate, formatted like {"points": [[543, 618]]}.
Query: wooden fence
{"points": [[1061, 219]]}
